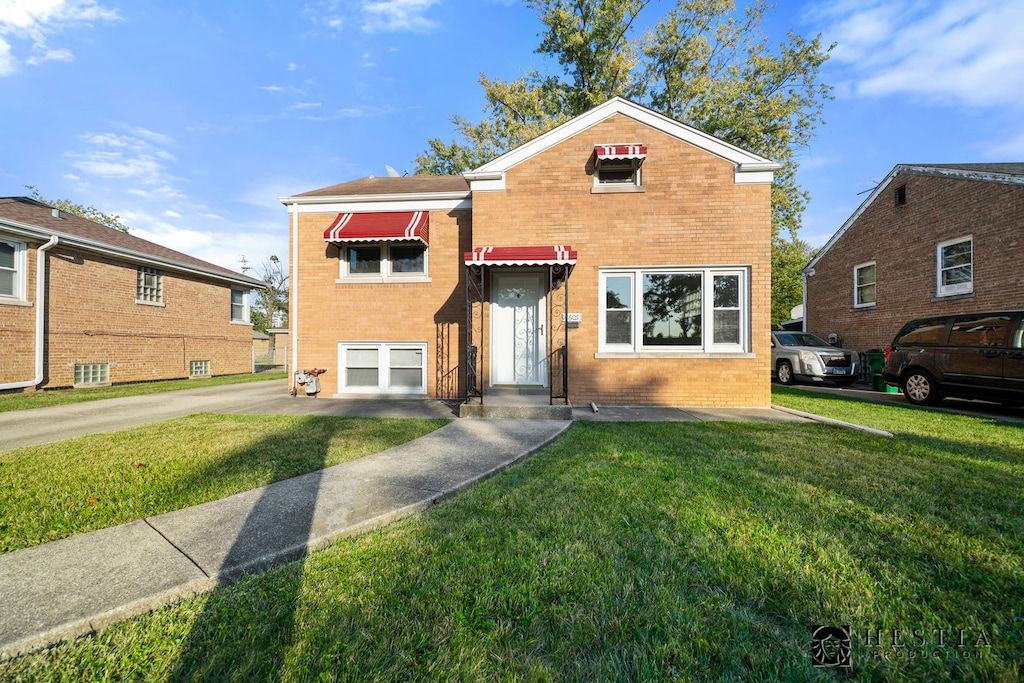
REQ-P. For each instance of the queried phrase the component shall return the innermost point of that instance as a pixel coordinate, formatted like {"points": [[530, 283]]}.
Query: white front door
{"points": [[518, 344]]}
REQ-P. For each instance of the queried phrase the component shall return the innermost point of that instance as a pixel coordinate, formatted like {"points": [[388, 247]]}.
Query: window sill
{"points": [[91, 385], [381, 280], [863, 307], [617, 189], [241, 322], [158, 304], [8, 301], [947, 297], [701, 355]]}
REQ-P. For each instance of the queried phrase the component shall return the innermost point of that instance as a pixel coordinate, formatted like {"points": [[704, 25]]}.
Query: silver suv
{"points": [[799, 355]]}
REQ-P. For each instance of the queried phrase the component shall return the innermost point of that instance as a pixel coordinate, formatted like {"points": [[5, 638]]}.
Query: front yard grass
{"points": [[92, 482], [58, 397], [670, 551]]}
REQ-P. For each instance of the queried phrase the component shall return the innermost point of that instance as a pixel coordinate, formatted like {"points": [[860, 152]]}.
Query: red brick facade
{"points": [[902, 241], [692, 213], [92, 317]]}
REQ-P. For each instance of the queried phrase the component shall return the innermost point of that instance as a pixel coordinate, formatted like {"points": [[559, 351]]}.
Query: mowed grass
{"points": [[58, 397], [685, 551], [92, 482]]}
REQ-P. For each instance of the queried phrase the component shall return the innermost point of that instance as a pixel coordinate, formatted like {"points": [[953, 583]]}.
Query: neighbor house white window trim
{"points": [[19, 273], [149, 295], [384, 367], [960, 287], [246, 318], [386, 273], [858, 285], [707, 347]]}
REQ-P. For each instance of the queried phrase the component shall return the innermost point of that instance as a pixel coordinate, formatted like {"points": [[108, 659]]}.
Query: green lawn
{"points": [[92, 482], [671, 551], [57, 397]]}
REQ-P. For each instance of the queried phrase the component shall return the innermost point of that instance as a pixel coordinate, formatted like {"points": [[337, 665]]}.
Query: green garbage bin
{"points": [[876, 363]]}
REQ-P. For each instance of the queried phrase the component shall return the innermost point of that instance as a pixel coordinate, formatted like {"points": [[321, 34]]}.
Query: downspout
{"points": [[40, 304], [293, 297]]}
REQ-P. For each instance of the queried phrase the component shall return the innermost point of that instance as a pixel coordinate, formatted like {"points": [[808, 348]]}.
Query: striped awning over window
{"points": [[607, 152], [379, 227], [521, 256]]}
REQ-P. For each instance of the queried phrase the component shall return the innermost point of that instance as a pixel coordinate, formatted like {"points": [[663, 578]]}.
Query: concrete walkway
{"points": [[71, 587]]}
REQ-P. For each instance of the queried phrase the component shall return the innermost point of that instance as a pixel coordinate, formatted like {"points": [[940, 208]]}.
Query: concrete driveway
{"points": [[960, 406], [20, 428]]}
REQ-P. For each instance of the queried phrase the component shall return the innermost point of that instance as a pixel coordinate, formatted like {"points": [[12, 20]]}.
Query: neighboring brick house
{"points": [[622, 258], [929, 240], [110, 307]]}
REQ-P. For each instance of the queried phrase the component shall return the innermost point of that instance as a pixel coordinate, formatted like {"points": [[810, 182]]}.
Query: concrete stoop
{"points": [[496, 412], [518, 403]]}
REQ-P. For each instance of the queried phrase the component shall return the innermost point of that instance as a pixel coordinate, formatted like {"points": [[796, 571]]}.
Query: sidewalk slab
{"points": [[79, 584]]}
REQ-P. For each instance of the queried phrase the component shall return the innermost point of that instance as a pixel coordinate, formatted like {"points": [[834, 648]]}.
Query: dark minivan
{"points": [[973, 355]]}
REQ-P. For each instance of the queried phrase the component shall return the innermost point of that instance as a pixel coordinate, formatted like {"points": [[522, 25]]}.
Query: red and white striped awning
{"points": [[620, 152], [521, 256], [378, 227]]}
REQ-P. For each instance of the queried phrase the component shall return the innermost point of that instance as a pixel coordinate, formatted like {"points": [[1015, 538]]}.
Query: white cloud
{"points": [[139, 156], [964, 52], [292, 66], [397, 15], [172, 214], [303, 105], [37, 20]]}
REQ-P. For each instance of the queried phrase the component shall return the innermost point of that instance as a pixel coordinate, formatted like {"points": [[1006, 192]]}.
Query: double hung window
{"points": [[674, 309], [12, 269], [864, 285], [955, 267], [239, 306], [383, 367], [377, 261]]}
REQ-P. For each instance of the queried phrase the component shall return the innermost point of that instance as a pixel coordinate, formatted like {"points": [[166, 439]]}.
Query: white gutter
{"points": [[40, 304], [803, 323], [293, 296]]}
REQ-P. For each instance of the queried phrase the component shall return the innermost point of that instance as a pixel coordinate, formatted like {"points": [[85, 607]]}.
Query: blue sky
{"points": [[191, 118]]}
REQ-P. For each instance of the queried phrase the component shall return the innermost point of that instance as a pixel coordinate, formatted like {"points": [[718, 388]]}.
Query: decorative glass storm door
{"points": [[518, 344]]}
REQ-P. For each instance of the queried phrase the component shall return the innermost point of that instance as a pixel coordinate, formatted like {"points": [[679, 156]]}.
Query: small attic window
{"points": [[901, 195], [617, 168]]}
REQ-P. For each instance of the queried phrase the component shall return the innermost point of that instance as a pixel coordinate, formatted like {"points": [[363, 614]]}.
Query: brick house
{"points": [[84, 304], [622, 258], [929, 240]]}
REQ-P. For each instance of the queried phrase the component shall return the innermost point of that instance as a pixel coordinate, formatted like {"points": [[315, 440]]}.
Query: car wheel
{"points": [[784, 372], [920, 389]]}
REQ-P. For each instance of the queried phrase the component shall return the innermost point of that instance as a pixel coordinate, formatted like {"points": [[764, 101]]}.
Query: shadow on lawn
{"points": [[622, 553], [277, 526]]}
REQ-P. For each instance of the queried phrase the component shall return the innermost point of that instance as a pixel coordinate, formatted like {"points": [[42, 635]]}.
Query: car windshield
{"points": [[800, 339]]}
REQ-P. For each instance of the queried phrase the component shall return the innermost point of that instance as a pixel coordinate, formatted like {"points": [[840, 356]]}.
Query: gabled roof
{"points": [[34, 219], [750, 167], [1007, 173]]}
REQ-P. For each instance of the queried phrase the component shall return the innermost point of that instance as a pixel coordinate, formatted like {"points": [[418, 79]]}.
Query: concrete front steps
{"points": [[530, 403]]}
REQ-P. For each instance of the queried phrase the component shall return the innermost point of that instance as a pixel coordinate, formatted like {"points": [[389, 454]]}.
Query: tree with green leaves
{"points": [[789, 258], [702, 63], [89, 212], [270, 304]]}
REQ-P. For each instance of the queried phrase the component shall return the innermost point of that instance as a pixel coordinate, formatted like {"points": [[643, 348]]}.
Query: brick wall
{"points": [[691, 214], [902, 242], [92, 317], [432, 312]]}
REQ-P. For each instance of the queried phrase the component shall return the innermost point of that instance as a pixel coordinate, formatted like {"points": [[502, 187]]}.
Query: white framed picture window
{"points": [[382, 368], [864, 278], [955, 267]]}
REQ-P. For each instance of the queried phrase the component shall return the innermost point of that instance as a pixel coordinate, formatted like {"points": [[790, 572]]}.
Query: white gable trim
{"points": [[372, 203], [750, 167]]}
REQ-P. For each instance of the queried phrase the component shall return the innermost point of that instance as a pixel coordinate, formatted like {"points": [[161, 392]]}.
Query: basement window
{"points": [[199, 368], [92, 374]]}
